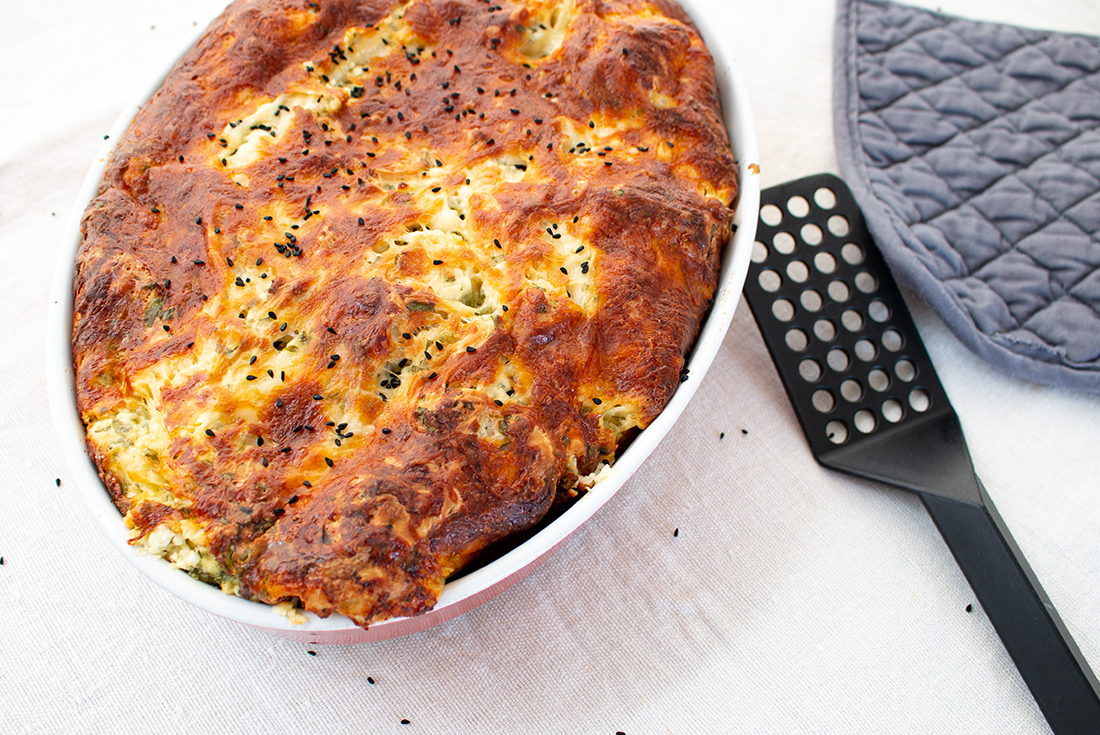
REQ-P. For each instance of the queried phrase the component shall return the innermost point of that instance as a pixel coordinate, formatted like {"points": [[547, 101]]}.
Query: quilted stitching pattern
{"points": [[982, 142]]}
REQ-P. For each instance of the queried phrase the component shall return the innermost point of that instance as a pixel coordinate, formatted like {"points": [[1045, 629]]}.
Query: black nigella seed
{"points": [[250, 377], [272, 315], [499, 402], [331, 365], [597, 401], [265, 461], [278, 511], [329, 462], [406, 335], [435, 189], [437, 262], [433, 376], [259, 441], [330, 330], [387, 430], [239, 206], [209, 432], [270, 374], [361, 222], [563, 270], [471, 349], [306, 483], [279, 402], [316, 396], [292, 500]]}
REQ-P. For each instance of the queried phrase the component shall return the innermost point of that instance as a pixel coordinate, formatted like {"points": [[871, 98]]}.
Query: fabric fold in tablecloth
{"points": [[973, 149]]}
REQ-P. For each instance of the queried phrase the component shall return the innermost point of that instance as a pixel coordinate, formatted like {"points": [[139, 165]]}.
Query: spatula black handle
{"points": [[1035, 637]]}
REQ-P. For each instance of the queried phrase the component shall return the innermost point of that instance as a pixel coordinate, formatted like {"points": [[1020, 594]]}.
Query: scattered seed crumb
{"points": [[57, 481], [370, 679], [744, 431], [1, 561], [969, 608], [406, 721], [722, 436], [676, 532], [312, 653]]}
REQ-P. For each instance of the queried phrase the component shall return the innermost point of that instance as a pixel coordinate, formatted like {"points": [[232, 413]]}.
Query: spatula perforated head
{"points": [[846, 348]]}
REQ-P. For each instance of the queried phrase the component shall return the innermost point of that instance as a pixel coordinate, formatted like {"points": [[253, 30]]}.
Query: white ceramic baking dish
{"points": [[470, 590]]}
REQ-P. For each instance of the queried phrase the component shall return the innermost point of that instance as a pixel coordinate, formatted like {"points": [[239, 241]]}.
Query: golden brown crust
{"points": [[378, 216]]}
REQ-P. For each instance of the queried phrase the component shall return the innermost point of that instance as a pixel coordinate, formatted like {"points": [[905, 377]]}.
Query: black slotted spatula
{"points": [[870, 404]]}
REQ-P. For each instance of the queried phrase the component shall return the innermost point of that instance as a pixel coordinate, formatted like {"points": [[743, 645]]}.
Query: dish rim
{"points": [[477, 587]]}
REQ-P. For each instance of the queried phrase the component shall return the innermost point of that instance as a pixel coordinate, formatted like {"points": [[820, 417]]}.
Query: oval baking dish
{"points": [[511, 565]]}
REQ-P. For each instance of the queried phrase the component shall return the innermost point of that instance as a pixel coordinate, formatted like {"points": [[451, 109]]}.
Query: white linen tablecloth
{"points": [[793, 599]]}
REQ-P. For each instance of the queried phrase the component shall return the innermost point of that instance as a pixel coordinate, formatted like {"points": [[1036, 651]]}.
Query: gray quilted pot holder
{"points": [[974, 151]]}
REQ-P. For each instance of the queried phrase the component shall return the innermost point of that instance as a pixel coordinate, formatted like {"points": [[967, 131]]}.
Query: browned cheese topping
{"points": [[368, 285]]}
